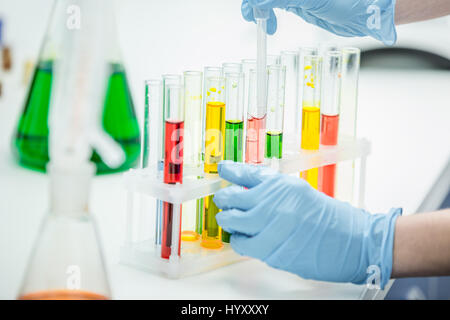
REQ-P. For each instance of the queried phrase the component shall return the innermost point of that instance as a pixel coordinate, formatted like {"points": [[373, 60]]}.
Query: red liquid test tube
{"points": [[173, 164], [330, 117]]}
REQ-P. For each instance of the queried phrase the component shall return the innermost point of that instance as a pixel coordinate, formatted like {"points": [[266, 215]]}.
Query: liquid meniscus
{"points": [[274, 145]]}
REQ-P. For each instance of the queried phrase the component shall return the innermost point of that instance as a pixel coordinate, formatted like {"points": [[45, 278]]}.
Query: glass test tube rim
{"points": [[308, 50], [351, 50], [232, 65], [241, 76], [192, 73], [282, 69], [180, 112], [213, 68], [288, 52], [328, 57]]}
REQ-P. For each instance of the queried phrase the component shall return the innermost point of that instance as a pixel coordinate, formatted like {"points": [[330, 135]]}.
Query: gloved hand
{"points": [[284, 222], [346, 18]]}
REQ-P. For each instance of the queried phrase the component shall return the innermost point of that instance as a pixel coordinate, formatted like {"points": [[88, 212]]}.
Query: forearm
{"points": [[407, 11], [422, 245]]}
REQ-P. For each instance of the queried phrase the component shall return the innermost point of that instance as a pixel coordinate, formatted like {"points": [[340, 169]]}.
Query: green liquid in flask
{"points": [[119, 121]]}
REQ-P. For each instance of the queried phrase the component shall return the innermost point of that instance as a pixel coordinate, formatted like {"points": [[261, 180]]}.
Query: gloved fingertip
{"points": [[247, 11], [272, 23], [221, 166]]}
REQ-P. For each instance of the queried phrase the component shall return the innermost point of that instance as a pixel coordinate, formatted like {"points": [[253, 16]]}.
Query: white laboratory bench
{"points": [[404, 114]]}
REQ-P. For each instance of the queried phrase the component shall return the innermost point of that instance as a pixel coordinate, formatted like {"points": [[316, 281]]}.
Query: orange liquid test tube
{"points": [[331, 82]]}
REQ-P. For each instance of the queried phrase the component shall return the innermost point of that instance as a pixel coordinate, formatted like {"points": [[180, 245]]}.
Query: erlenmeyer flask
{"points": [[30, 143], [67, 261]]}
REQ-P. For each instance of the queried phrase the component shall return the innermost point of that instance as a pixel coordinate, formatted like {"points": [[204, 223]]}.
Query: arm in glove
{"points": [[348, 18], [284, 222]]}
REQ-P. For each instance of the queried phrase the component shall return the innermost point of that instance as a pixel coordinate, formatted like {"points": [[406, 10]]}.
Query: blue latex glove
{"points": [[346, 18], [284, 222]]}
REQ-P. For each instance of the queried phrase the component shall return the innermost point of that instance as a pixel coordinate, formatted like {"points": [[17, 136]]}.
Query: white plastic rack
{"points": [[144, 186]]}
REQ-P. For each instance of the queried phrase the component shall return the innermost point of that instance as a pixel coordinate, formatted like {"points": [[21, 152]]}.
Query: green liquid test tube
{"points": [[234, 124], [275, 111]]}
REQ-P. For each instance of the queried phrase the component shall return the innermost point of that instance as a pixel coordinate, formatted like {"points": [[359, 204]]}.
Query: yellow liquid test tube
{"points": [[311, 139], [311, 112], [214, 153]]}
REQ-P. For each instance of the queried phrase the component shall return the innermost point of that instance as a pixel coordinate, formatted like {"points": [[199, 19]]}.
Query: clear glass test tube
{"points": [[256, 125], [325, 47], [150, 143], [207, 73], [192, 154], [230, 67], [214, 153], [329, 109], [173, 166], [303, 51], [275, 111], [311, 112], [273, 59], [345, 181], [234, 123], [247, 65], [234, 118], [289, 59], [168, 79]]}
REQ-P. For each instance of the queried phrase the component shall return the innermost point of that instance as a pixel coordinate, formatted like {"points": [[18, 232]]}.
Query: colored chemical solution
{"points": [[211, 230], [234, 133], [63, 294], [189, 208], [166, 241], [328, 137], [214, 135], [30, 144], [256, 131], [274, 145], [173, 173], [310, 140], [173, 152]]}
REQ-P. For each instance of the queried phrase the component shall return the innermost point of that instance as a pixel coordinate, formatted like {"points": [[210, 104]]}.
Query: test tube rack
{"points": [[144, 186]]}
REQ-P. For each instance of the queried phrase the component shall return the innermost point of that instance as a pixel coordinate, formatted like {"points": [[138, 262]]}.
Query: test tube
{"points": [[214, 153], [275, 111], [168, 79], [150, 139], [230, 67], [273, 59], [330, 105], [234, 119], [192, 154], [173, 164], [256, 126], [261, 17], [234, 122], [303, 51], [207, 73], [247, 65], [348, 117], [289, 59], [311, 112]]}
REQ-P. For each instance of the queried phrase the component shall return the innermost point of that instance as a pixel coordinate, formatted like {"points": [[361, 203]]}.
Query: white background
{"points": [[404, 113]]}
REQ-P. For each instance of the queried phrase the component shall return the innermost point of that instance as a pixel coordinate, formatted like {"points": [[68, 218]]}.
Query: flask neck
{"points": [[70, 188]]}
